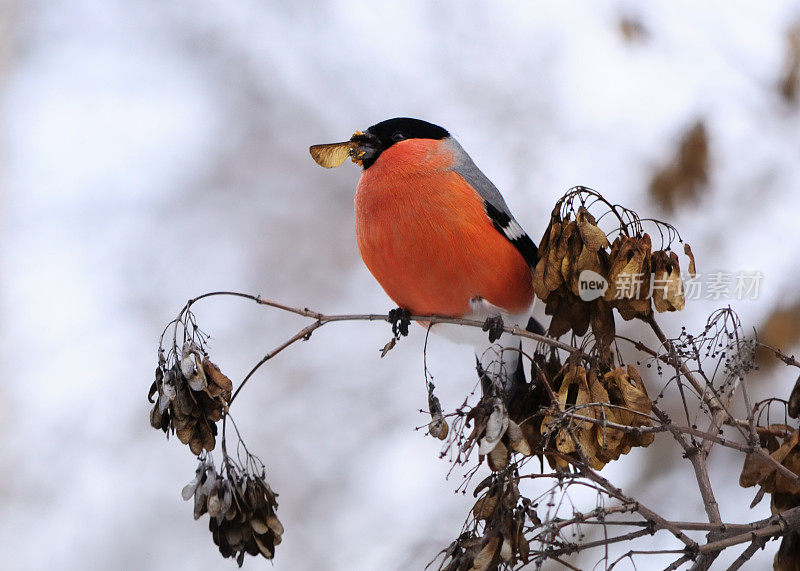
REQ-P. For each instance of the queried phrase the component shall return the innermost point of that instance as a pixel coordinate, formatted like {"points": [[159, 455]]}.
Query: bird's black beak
{"points": [[367, 148]]}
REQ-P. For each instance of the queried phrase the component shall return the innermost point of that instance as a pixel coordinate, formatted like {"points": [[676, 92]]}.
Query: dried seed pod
{"points": [[506, 550], [159, 419], [275, 525], [768, 477], [593, 238], [265, 546], [259, 526], [486, 556], [688, 251], [547, 274], [629, 276], [495, 427], [186, 432], [199, 504], [189, 489], [185, 404], [438, 428], [516, 439], [220, 383], [214, 504], [485, 507], [192, 397], [331, 155], [168, 387], [187, 363], [601, 318], [667, 283], [498, 457]]}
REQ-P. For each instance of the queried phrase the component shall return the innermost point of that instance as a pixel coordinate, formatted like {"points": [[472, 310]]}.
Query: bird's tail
{"points": [[501, 367], [535, 327], [501, 370]]}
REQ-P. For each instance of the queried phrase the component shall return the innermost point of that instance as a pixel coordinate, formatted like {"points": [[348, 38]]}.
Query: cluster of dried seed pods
{"points": [[241, 509], [581, 276], [504, 515], [193, 395], [596, 416]]}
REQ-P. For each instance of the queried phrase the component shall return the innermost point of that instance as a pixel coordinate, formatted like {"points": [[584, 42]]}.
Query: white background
{"points": [[155, 150]]}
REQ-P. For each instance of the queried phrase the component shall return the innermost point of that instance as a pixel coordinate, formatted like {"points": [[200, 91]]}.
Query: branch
{"points": [[768, 528]]}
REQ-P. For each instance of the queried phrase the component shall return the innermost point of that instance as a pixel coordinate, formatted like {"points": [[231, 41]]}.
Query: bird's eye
{"points": [[398, 136]]}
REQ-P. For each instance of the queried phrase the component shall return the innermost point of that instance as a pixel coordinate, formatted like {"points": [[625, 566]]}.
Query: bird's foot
{"points": [[399, 318], [494, 325]]}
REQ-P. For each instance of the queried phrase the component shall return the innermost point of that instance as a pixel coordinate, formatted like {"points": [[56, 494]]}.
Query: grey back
{"points": [[473, 175]]}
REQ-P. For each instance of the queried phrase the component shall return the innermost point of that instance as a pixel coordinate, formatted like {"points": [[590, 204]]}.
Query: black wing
{"points": [[514, 233]]}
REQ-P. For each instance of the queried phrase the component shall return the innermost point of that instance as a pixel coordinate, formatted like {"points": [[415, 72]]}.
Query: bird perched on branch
{"points": [[433, 229]]}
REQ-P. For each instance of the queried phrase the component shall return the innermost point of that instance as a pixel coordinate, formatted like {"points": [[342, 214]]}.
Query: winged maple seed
{"points": [[437, 427], [331, 155], [193, 395], [668, 286]]}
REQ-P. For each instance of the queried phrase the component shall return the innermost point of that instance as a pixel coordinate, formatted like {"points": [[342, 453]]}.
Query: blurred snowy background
{"points": [[151, 151]]}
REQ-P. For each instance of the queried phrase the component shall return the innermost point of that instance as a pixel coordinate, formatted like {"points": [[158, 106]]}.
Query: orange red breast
{"points": [[424, 234]]}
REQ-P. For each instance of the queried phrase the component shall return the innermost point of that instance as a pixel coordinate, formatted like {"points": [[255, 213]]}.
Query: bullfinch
{"points": [[433, 229]]}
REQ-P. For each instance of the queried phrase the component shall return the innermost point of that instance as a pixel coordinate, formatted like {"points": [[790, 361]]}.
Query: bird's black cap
{"points": [[383, 135]]}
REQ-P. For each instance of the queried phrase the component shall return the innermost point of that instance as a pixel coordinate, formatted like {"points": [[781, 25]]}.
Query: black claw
{"points": [[494, 325], [399, 318]]}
